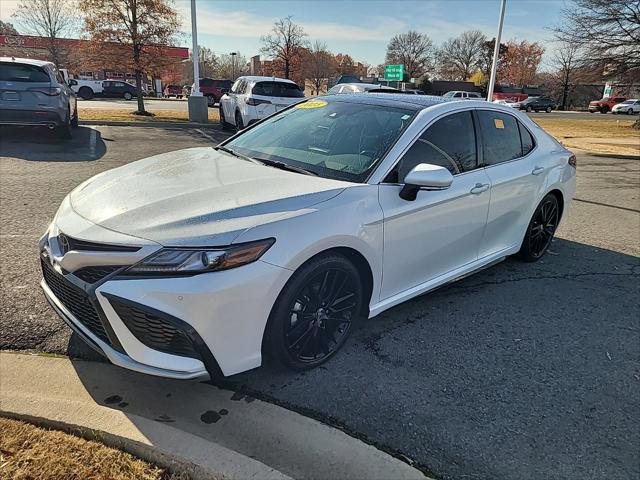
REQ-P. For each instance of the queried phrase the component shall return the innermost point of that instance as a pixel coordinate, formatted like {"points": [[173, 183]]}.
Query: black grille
{"points": [[94, 274], [75, 300], [154, 331], [83, 245]]}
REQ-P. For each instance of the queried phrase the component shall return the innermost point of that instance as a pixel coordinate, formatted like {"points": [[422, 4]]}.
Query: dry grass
{"points": [[128, 116], [28, 452], [585, 134]]}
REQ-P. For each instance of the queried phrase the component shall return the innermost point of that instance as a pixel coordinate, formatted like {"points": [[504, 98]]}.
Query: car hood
{"points": [[196, 197]]}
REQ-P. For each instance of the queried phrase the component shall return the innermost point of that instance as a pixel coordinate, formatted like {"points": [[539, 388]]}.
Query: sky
{"points": [[360, 28]]}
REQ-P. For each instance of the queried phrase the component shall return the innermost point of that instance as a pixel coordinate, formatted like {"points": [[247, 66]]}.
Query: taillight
{"points": [[573, 161], [49, 91], [255, 101]]}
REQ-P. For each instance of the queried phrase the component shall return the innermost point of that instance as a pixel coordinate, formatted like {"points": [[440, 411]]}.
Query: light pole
{"points": [[233, 65], [496, 53], [198, 108]]}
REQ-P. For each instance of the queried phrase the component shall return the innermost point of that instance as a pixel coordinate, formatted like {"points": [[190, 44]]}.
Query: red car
{"points": [[604, 105], [214, 89]]}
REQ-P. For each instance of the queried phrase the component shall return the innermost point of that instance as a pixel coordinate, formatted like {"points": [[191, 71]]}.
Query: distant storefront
{"points": [[87, 61]]}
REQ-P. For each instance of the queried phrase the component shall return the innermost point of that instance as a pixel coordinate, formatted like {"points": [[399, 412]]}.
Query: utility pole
{"points": [[233, 65], [496, 53], [198, 108]]}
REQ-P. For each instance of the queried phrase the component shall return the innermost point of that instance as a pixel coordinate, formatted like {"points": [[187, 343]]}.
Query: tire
{"points": [[548, 109], [630, 111], [604, 110], [74, 119], [541, 229], [326, 285], [85, 93], [211, 100], [223, 121], [64, 131], [127, 96], [529, 109], [239, 122]]}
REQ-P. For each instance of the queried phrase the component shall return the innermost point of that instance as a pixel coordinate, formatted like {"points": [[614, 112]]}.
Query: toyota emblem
{"points": [[63, 243]]}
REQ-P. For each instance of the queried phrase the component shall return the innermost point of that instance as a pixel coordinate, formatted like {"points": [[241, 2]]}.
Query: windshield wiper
{"points": [[235, 154], [285, 166]]}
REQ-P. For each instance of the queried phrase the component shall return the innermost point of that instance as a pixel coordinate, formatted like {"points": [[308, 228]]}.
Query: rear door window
{"points": [[277, 89], [500, 137], [19, 72], [526, 139]]}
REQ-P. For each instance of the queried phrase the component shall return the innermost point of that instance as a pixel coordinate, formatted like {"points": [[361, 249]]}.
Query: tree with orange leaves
{"points": [[520, 63], [139, 28]]}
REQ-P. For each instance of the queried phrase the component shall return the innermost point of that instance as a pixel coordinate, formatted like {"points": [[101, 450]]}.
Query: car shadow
{"points": [[40, 144], [475, 370]]}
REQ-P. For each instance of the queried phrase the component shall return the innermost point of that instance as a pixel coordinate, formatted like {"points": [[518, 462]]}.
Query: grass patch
{"points": [[105, 115], [595, 135], [29, 452]]}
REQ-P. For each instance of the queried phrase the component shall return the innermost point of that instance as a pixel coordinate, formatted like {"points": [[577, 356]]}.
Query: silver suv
{"points": [[34, 92]]}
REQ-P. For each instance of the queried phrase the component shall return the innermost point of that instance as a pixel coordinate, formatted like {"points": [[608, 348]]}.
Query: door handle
{"points": [[537, 171], [479, 188]]}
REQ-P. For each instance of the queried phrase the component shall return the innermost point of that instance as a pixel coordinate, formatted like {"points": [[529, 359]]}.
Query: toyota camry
{"points": [[277, 242]]}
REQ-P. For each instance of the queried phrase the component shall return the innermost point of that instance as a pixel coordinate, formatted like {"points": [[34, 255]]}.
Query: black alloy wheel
{"points": [[315, 312], [64, 131], [223, 121], [541, 229], [127, 96]]}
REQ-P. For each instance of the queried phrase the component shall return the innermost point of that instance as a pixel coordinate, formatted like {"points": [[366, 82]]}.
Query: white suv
{"points": [[254, 98], [462, 95]]}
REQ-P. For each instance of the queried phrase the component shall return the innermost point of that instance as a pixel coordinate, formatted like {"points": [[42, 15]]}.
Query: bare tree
{"points": [[231, 66], [139, 27], [320, 66], [461, 56], [413, 50], [208, 61], [52, 19], [607, 32], [284, 43], [7, 28], [566, 64]]}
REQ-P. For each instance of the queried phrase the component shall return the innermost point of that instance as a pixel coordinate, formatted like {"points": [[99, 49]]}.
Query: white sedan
{"points": [[280, 240], [629, 107]]}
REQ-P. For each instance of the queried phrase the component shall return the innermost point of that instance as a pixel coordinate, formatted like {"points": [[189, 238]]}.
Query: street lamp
{"points": [[198, 108], [496, 52], [233, 65]]}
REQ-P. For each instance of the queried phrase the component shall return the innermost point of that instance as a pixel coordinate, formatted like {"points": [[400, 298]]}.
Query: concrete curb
{"points": [[184, 124], [173, 449], [196, 425]]}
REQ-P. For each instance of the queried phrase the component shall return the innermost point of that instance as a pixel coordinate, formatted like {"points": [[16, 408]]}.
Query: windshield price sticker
{"points": [[498, 123], [312, 104]]}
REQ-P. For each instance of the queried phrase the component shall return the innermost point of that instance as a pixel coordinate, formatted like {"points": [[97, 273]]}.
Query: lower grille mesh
{"points": [[75, 300], [154, 331]]}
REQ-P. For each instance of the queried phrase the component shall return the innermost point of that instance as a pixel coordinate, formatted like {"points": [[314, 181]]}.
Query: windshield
{"points": [[330, 138]]}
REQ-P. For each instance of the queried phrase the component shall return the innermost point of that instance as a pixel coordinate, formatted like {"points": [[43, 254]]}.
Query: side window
{"points": [[526, 139], [457, 95], [234, 88], [500, 137], [450, 142]]}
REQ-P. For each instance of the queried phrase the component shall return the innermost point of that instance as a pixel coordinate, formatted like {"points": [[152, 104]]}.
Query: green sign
{"points": [[394, 72]]}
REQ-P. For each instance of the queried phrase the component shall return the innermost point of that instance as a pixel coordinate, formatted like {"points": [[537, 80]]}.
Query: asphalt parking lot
{"points": [[523, 371]]}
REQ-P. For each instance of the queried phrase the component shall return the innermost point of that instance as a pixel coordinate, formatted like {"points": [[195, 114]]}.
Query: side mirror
{"points": [[73, 83], [427, 176]]}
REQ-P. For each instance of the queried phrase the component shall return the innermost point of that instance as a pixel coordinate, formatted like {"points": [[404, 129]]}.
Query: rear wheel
{"points": [[604, 109], [85, 93], [74, 119], [548, 110], [541, 230], [315, 312], [223, 121], [211, 100], [64, 131], [239, 122], [529, 109]]}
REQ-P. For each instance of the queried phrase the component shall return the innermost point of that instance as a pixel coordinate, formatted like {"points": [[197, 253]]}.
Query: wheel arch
{"points": [[560, 197]]}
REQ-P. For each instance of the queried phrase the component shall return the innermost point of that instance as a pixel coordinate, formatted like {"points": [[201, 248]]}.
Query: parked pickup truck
{"points": [[604, 105], [86, 89]]}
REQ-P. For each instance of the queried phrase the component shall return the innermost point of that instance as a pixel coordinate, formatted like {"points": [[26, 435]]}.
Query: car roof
{"points": [[413, 102], [27, 61], [255, 78]]}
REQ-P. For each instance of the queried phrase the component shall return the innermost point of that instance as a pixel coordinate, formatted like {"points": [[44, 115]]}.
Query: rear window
{"points": [[19, 72], [277, 89]]}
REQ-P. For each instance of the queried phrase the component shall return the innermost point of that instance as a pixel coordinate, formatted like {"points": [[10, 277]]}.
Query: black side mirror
{"points": [[73, 83]]}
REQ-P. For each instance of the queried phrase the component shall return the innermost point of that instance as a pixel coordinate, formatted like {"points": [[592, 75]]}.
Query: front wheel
{"points": [[127, 96], [211, 100], [548, 110], [541, 229], [630, 111], [315, 312], [529, 109]]}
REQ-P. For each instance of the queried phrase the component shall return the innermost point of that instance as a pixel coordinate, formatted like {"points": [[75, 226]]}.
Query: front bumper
{"points": [[222, 315]]}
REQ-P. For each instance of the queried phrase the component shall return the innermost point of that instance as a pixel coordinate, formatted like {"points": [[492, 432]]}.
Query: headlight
{"points": [[200, 260]]}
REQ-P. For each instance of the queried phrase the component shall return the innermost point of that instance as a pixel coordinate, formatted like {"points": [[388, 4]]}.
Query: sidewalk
{"points": [[202, 428]]}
